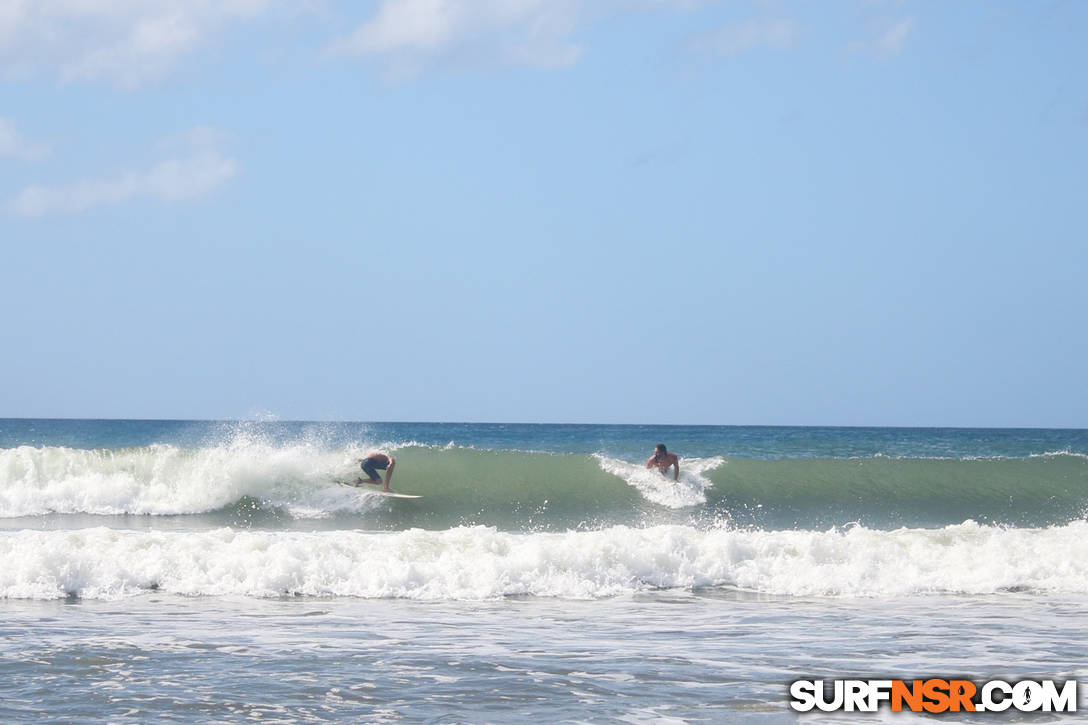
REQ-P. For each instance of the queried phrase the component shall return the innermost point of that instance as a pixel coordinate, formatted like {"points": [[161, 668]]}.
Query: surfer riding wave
{"points": [[663, 460], [372, 464]]}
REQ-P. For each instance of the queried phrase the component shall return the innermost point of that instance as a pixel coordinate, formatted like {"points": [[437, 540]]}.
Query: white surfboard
{"points": [[389, 494], [394, 494]]}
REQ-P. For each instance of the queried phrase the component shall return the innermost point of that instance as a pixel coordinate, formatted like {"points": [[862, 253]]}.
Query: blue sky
{"points": [[628, 211]]}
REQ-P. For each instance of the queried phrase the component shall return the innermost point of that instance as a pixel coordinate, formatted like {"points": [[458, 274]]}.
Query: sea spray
{"points": [[663, 489]]}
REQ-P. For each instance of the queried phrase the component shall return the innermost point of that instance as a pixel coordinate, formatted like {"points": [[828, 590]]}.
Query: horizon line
{"points": [[463, 422]]}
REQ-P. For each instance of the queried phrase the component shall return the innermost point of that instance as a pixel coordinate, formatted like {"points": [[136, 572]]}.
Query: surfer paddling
{"points": [[373, 463], [662, 460]]}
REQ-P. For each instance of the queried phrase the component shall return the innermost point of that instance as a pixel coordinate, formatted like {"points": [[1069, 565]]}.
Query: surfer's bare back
{"points": [[662, 460]]}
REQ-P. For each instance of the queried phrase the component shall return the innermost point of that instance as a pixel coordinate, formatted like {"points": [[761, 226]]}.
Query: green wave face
{"points": [[262, 486], [554, 492], [506, 489], [891, 492]]}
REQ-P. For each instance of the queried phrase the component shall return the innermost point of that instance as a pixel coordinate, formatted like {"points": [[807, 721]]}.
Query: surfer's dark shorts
{"points": [[371, 466]]}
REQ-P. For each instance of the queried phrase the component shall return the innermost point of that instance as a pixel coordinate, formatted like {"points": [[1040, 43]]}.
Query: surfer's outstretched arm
{"points": [[676, 476]]}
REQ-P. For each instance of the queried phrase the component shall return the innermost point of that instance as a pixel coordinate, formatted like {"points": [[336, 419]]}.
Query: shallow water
{"points": [[716, 656]]}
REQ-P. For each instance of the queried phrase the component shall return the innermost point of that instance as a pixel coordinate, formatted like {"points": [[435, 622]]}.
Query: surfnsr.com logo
{"points": [[934, 695]]}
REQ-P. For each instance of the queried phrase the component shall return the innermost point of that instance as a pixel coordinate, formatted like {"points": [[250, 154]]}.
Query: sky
{"points": [[745, 212]]}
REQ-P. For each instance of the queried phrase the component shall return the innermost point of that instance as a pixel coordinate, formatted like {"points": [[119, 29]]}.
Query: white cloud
{"points": [[410, 35], [12, 13], [128, 41], [173, 180], [894, 39], [887, 38], [749, 35], [13, 144]]}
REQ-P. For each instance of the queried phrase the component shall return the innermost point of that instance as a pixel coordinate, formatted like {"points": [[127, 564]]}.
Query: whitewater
{"points": [[480, 563]]}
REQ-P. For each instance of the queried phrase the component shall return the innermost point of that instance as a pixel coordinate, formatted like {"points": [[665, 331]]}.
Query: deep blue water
{"points": [[629, 442]]}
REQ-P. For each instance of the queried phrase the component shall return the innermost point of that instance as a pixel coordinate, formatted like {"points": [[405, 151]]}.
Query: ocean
{"points": [[214, 571]]}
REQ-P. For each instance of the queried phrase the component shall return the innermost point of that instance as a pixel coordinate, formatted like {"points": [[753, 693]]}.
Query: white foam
{"points": [[663, 490], [166, 480], [1059, 454], [479, 563]]}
